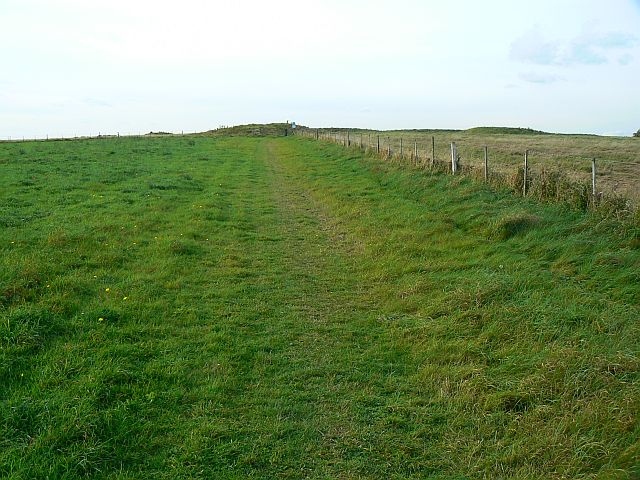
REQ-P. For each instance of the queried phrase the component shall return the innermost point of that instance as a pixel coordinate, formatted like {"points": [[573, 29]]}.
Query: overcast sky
{"points": [[71, 67]]}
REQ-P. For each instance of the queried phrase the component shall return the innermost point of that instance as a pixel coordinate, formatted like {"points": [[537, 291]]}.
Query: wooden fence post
{"points": [[486, 163], [526, 167], [378, 148], [348, 139], [433, 151], [361, 141], [415, 151], [593, 180], [454, 158]]}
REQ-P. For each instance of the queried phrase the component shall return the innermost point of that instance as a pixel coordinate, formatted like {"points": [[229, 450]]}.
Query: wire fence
{"points": [[54, 138], [526, 165]]}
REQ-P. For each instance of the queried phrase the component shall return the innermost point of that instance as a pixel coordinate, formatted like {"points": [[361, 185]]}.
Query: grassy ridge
{"points": [[277, 308]]}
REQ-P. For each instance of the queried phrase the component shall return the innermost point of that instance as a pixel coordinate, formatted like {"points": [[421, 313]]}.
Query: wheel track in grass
{"points": [[312, 374], [291, 182], [336, 376]]}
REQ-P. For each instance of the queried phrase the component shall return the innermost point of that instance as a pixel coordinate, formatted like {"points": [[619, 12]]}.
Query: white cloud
{"points": [[586, 49], [540, 78], [625, 59], [533, 48]]}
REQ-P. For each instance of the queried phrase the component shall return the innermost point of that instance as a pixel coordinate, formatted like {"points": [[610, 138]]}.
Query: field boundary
{"points": [[546, 184]]}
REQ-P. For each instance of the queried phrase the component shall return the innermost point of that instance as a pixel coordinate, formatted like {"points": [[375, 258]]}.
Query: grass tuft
{"points": [[514, 224], [510, 402], [185, 247], [26, 326]]}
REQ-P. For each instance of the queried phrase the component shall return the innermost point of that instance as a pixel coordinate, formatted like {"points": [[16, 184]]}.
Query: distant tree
{"points": [[637, 134]]}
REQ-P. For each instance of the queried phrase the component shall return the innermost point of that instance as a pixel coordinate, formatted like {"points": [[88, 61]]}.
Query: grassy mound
{"points": [[252, 130], [505, 131]]}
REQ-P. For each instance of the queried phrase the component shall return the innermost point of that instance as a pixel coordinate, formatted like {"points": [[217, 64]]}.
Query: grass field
{"points": [[194, 307], [618, 158]]}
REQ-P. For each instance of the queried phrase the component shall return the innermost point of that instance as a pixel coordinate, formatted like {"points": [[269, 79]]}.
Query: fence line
{"points": [[48, 138], [547, 183]]}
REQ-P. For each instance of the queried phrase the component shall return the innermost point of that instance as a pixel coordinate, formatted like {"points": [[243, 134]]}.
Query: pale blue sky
{"points": [[82, 67]]}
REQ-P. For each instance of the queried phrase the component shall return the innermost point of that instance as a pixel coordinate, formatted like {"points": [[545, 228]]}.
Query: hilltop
{"points": [[251, 130]]}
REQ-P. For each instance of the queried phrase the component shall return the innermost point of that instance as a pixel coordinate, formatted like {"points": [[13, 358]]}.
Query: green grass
{"points": [[193, 307]]}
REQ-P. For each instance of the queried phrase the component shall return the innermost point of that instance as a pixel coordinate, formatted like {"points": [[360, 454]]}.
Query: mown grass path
{"points": [[275, 308]]}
